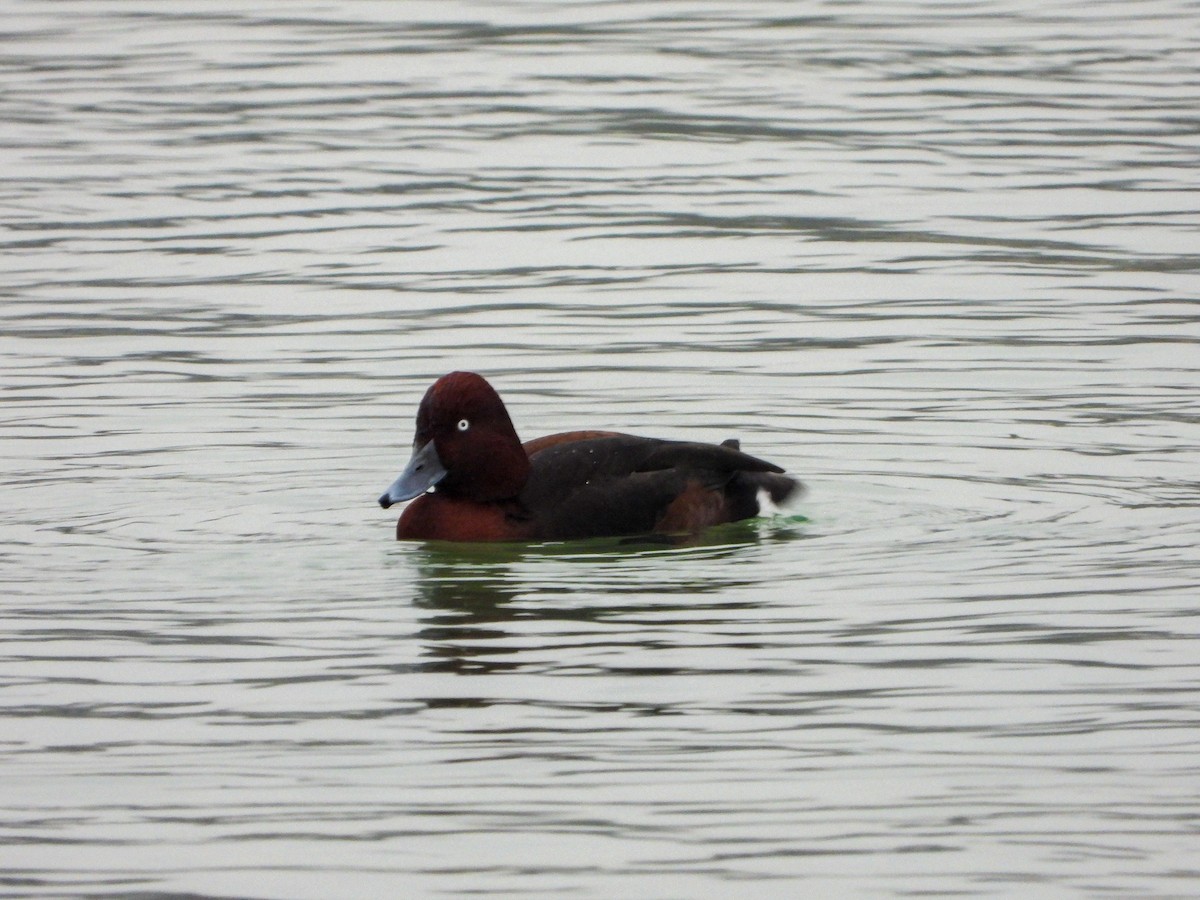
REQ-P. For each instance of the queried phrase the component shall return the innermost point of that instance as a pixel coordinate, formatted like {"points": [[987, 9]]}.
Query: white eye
{"points": [[463, 424]]}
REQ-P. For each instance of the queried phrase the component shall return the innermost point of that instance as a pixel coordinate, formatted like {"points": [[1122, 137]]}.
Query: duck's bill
{"points": [[423, 471]]}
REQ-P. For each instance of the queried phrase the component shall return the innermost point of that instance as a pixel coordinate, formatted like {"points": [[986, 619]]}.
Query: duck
{"points": [[471, 479]]}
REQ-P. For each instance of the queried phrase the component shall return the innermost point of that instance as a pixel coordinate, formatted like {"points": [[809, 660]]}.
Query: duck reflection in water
{"points": [[478, 598]]}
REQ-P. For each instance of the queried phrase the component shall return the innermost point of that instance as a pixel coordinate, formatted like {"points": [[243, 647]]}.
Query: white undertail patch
{"points": [[766, 506]]}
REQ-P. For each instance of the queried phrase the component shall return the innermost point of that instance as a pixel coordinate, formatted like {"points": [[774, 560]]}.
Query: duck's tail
{"points": [[759, 493]]}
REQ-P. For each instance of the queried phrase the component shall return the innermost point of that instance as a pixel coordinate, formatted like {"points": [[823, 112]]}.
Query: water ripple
{"points": [[937, 260]]}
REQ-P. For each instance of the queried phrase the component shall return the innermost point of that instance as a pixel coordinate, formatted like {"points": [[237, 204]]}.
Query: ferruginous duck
{"points": [[474, 480]]}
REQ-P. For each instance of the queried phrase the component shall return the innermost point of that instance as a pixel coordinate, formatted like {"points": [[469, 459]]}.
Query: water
{"points": [[940, 260]]}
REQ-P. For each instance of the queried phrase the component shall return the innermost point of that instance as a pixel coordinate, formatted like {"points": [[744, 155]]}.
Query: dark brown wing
{"points": [[624, 485]]}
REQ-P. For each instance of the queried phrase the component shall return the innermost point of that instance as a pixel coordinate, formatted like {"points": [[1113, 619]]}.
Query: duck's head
{"points": [[465, 444]]}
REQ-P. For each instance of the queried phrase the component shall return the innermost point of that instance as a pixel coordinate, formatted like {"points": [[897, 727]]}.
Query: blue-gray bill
{"points": [[423, 471]]}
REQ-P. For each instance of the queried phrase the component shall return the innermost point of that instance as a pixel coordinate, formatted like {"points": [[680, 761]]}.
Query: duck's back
{"points": [[627, 485]]}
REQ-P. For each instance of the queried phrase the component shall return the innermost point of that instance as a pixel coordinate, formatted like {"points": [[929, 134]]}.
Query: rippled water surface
{"points": [[940, 260]]}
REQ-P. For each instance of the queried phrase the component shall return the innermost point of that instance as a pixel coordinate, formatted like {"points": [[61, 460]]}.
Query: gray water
{"points": [[941, 260]]}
